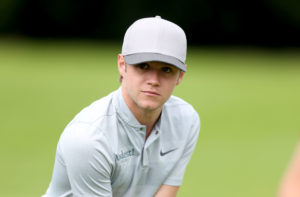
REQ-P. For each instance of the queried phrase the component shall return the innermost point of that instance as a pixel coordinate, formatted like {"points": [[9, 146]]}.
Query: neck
{"points": [[144, 116], [147, 118]]}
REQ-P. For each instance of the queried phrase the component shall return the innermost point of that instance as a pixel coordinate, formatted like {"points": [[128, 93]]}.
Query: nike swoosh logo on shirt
{"points": [[164, 153]]}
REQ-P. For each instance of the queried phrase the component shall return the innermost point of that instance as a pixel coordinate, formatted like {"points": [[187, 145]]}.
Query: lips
{"points": [[151, 93]]}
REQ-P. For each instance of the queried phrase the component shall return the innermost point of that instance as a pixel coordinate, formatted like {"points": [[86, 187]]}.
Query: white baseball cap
{"points": [[155, 39]]}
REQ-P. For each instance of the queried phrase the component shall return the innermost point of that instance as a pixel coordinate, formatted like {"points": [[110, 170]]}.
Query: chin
{"points": [[150, 106]]}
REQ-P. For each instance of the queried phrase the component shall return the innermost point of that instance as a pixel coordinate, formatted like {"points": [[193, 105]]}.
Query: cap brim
{"points": [[138, 58]]}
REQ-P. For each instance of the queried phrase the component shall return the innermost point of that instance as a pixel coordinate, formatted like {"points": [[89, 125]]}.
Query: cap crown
{"points": [[155, 35]]}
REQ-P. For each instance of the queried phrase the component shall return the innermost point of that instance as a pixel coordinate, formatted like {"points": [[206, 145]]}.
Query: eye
{"points": [[167, 69], [143, 66]]}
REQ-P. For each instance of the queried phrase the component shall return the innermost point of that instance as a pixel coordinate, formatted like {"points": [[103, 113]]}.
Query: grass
{"points": [[248, 100]]}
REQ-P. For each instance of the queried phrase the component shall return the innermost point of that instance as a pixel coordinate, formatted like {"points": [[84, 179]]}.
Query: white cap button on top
{"points": [[157, 17]]}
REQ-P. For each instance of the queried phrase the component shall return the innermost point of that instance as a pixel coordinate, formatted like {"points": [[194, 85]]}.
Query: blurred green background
{"points": [[247, 97]]}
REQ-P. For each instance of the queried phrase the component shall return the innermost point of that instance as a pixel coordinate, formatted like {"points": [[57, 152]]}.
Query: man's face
{"points": [[148, 86]]}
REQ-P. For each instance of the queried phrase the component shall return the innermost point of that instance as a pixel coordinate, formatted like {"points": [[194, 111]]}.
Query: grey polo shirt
{"points": [[103, 151]]}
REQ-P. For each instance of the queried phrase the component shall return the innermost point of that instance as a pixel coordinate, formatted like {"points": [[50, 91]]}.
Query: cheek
{"points": [[174, 81], [132, 84], [169, 87]]}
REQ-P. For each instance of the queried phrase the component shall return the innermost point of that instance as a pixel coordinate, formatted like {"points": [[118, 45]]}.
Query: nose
{"points": [[153, 78]]}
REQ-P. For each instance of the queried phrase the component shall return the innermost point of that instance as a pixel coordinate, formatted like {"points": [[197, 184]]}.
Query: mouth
{"points": [[151, 93]]}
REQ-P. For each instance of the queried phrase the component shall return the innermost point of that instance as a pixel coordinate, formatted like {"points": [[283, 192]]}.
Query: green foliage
{"points": [[248, 101]]}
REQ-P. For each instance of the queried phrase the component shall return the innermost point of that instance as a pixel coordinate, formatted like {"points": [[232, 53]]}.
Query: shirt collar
{"points": [[123, 110]]}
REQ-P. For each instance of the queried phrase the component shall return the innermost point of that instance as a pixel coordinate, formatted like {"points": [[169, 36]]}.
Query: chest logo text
{"points": [[125, 154]]}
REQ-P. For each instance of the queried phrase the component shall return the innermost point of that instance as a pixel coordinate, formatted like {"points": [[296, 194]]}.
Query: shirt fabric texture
{"points": [[103, 151]]}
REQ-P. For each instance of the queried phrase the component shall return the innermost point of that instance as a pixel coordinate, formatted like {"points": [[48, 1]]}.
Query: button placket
{"points": [[148, 147]]}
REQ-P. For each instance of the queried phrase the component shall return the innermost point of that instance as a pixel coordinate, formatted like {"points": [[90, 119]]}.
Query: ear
{"points": [[121, 65], [180, 77]]}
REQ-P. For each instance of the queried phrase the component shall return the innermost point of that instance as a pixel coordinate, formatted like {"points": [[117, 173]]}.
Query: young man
{"points": [[138, 140]]}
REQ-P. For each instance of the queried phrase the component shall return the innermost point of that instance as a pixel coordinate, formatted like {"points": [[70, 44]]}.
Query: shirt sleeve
{"points": [[176, 176], [83, 164], [59, 185]]}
